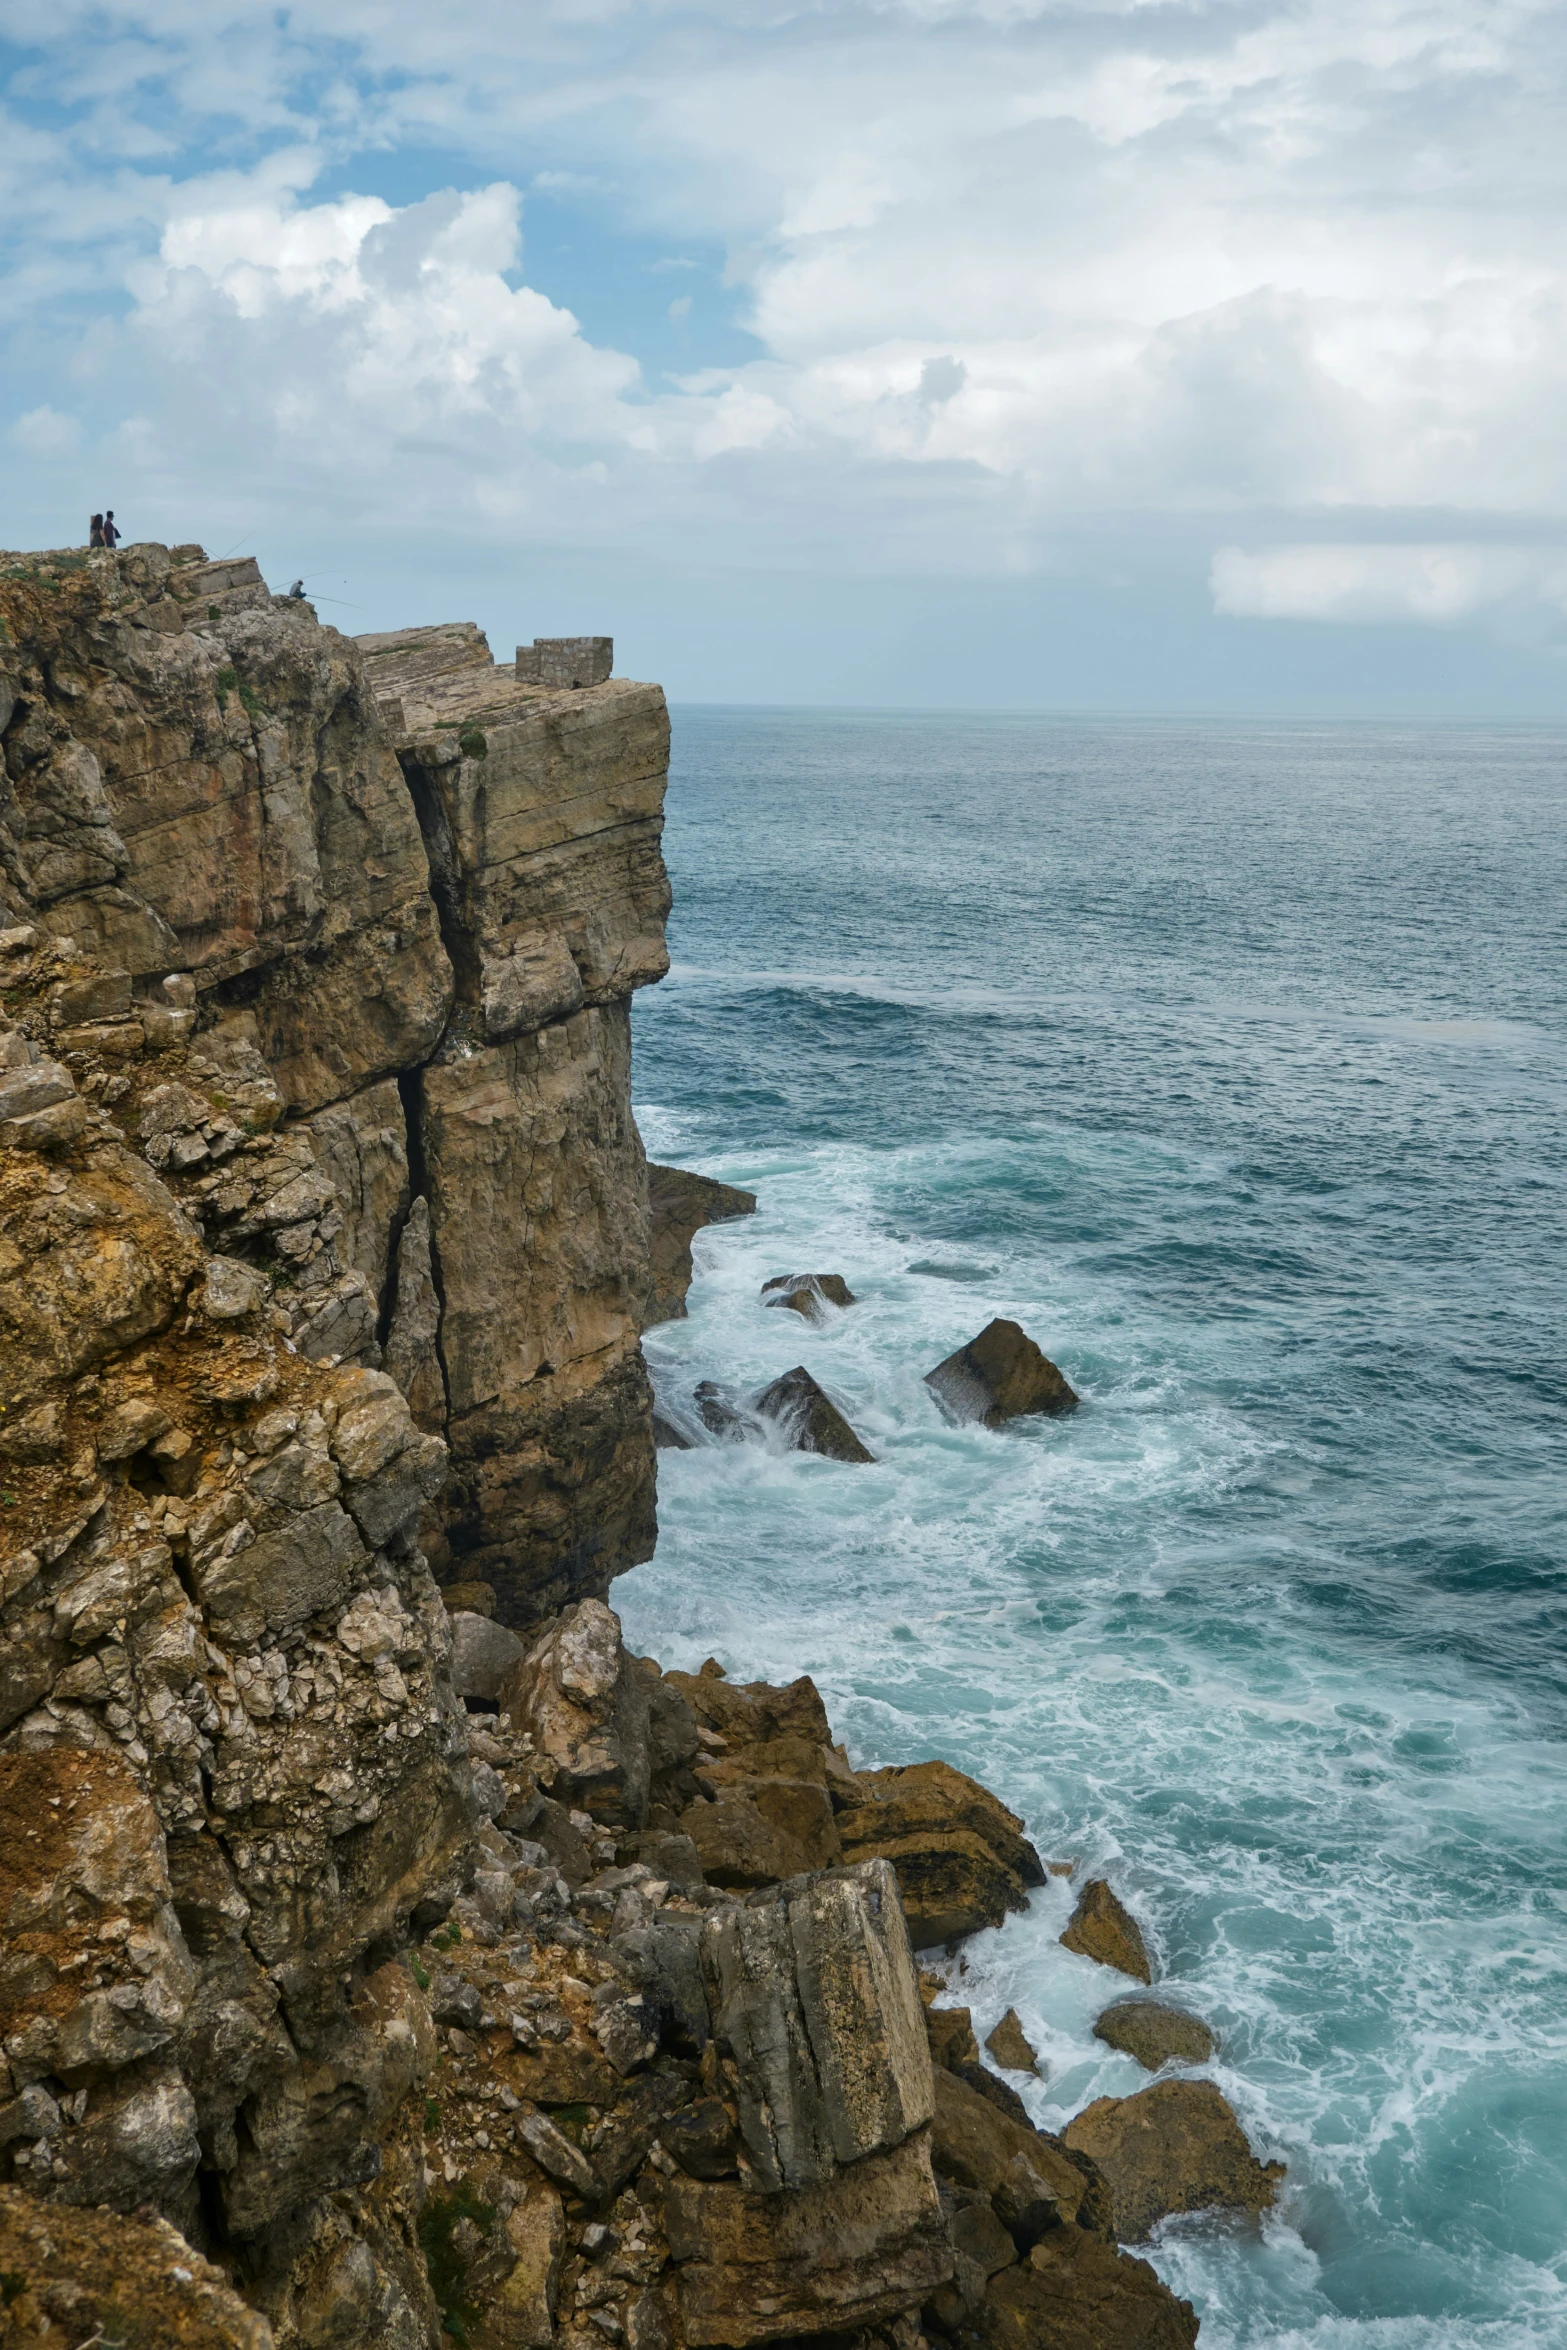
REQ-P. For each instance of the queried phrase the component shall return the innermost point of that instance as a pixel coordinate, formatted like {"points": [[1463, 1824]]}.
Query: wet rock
{"points": [[822, 2259], [1001, 1375], [1176, 2146], [680, 1204], [1030, 2180], [1154, 2033], [808, 1294], [961, 1857], [484, 1653], [667, 1437], [720, 1414], [1101, 1929], [810, 1418], [75, 2274], [586, 1704], [1075, 2291], [1009, 2045]]}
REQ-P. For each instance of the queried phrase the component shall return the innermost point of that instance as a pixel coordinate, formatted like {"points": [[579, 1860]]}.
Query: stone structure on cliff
{"points": [[441, 1978]]}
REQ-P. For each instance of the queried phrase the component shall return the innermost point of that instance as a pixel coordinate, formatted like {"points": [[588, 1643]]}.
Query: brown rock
{"points": [[1100, 1929], [585, 1703], [824, 2259], [1077, 2292], [1009, 2045], [737, 1846], [76, 2275], [1000, 1375], [961, 1856], [1174, 2147], [810, 1417], [1154, 2034], [754, 1713], [950, 2031], [474, 1599], [680, 1205], [808, 1294], [1030, 2179]]}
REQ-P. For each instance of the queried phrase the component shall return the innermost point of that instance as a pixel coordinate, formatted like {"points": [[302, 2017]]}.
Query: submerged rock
{"points": [[667, 1437], [1000, 1375], [1101, 1929], [1154, 2034], [1174, 2147], [803, 1408], [808, 1294], [680, 1204]]}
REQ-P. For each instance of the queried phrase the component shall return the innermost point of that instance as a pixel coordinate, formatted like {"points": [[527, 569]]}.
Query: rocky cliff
{"points": [[412, 898], [437, 1982]]}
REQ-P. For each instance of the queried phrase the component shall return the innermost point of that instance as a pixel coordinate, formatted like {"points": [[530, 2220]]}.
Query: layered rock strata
{"points": [[360, 923]]}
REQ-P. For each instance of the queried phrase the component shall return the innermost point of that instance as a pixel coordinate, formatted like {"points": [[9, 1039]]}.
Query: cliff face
{"points": [[414, 898]]}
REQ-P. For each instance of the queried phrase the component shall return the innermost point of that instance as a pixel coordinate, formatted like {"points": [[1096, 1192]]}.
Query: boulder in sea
{"points": [[1009, 2045], [1000, 1375], [679, 1205], [808, 1294], [1176, 2146], [1100, 1929], [1154, 2033], [717, 1411], [667, 1436], [799, 1406]]}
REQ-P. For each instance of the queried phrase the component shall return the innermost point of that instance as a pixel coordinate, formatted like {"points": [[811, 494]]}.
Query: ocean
{"points": [[1229, 1059]]}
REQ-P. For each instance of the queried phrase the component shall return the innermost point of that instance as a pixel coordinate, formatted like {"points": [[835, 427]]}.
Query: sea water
{"points": [[1228, 1060]]}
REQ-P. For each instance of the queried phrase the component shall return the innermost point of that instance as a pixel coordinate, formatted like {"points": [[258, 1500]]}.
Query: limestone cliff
{"points": [[413, 897], [441, 1985]]}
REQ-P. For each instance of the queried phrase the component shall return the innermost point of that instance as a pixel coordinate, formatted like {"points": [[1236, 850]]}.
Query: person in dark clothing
{"points": [[95, 531], [111, 537]]}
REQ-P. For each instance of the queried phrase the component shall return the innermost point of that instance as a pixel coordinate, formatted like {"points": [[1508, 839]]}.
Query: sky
{"points": [[913, 352]]}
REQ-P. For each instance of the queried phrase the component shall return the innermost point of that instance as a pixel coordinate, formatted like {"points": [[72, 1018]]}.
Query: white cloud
{"points": [[1361, 584], [43, 432], [1011, 269]]}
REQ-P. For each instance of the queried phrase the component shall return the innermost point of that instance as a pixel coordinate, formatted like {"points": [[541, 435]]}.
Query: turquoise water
{"points": [[1229, 1060]]}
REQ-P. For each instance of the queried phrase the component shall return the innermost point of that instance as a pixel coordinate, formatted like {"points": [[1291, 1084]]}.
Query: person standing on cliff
{"points": [[95, 531], [111, 537]]}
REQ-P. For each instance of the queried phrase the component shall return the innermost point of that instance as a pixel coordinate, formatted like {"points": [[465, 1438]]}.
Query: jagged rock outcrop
{"points": [[401, 901], [681, 1205], [1001, 1375], [1102, 1928]]}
